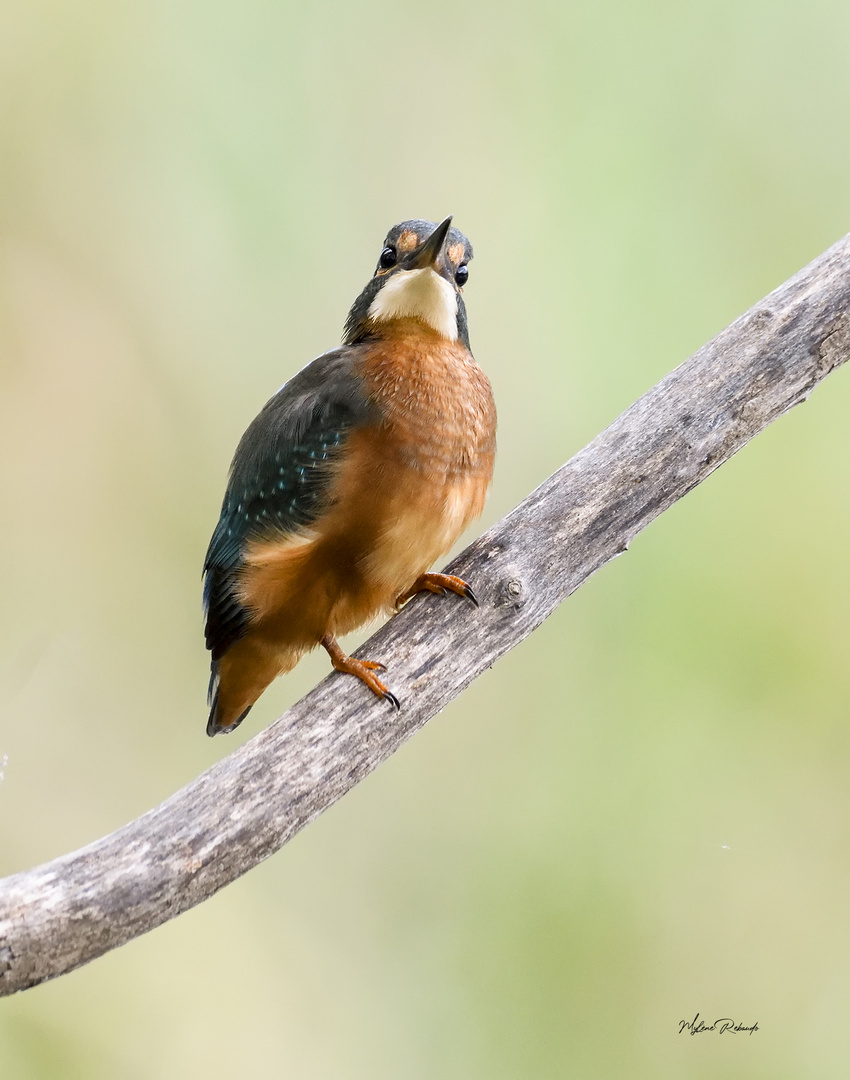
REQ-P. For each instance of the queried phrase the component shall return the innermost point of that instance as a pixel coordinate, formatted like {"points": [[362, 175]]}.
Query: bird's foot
{"points": [[363, 669], [438, 583]]}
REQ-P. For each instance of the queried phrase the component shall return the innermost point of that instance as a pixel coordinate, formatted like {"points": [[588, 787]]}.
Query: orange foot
{"points": [[363, 669], [437, 583]]}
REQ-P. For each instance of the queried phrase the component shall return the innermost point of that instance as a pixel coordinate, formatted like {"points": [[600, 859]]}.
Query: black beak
{"points": [[430, 251]]}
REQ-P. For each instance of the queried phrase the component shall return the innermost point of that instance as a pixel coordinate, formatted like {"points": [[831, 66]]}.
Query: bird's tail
{"points": [[218, 724]]}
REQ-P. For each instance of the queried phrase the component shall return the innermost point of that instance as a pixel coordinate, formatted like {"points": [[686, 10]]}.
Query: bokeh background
{"points": [[641, 813]]}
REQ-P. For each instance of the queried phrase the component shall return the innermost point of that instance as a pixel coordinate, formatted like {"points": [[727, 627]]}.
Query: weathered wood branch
{"points": [[68, 911]]}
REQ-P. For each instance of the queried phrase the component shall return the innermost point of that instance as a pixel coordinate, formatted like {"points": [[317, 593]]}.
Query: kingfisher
{"points": [[355, 477]]}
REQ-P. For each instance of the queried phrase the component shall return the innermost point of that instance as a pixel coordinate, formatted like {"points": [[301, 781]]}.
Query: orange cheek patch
{"points": [[408, 240], [456, 252]]}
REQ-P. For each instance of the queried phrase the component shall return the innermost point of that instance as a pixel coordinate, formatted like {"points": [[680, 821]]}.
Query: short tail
{"points": [[217, 724]]}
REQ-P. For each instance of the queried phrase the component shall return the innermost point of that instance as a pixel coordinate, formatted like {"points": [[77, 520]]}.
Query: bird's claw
{"points": [[362, 669], [469, 594], [440, 584], [373, 665]]}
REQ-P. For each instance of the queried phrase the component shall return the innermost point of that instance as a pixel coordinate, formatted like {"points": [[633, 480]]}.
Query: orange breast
{"points": [[406, 487], [431, 460]]}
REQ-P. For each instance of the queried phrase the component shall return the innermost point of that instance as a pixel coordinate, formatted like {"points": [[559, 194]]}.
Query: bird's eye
{"points": [[387, 259], [461, 274]]}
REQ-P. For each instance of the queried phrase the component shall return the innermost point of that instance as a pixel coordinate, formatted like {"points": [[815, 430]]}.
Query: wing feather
{"points": [[279, 480]]}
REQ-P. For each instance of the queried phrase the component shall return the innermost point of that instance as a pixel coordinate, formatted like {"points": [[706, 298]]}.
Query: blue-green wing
{"points": [[279, 479]]}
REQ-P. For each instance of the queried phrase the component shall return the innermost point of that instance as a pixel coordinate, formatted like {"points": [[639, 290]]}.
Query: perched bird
{"points": [[361, 471]]}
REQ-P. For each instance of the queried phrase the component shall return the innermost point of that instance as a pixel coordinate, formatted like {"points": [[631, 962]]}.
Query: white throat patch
{"points": [[421, 294]]}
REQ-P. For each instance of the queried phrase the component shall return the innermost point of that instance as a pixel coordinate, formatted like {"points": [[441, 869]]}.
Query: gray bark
{"points": [[68, 911]]}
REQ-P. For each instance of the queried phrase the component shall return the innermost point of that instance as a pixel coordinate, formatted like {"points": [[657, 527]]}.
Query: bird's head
{"points": [[420, 274]]}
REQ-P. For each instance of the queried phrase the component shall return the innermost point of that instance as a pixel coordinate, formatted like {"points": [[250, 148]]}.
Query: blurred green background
{"points": [[642, 812]]}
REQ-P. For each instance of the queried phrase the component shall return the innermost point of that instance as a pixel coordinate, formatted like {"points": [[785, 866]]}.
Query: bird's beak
{"points": [[430, 251]]}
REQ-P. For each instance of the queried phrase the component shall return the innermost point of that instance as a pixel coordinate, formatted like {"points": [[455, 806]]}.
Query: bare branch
{"points": [[62, 914]]}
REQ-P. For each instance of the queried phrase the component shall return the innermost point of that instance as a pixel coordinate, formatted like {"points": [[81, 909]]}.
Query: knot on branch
{"points": [[511, 593]]}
